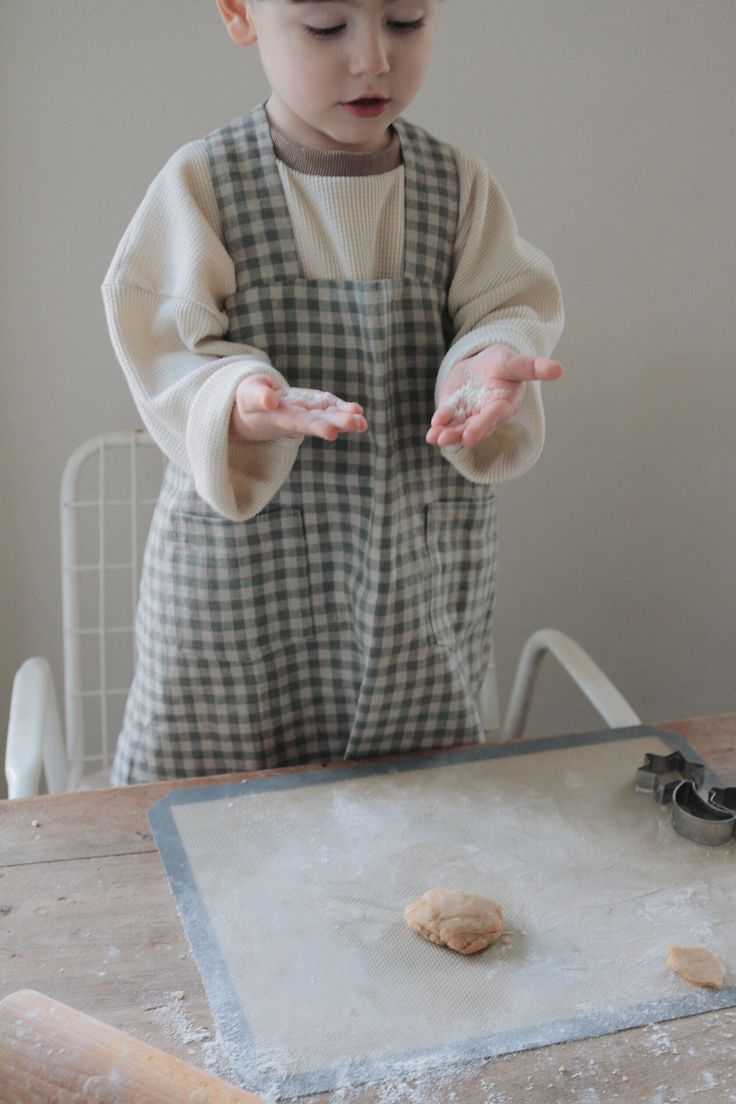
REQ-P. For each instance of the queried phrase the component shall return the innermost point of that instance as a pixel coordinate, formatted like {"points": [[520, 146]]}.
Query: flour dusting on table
{"points": [[300, 887]]}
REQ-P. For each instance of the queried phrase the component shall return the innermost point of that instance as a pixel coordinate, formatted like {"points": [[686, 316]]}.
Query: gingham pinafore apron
{"points": [[352, 616]]}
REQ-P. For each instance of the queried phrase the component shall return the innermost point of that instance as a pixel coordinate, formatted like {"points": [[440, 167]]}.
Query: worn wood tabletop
{"points": [[86, 917]]}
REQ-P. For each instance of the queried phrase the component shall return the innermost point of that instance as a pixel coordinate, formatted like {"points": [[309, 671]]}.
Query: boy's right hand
{"points": [[263, 411]]}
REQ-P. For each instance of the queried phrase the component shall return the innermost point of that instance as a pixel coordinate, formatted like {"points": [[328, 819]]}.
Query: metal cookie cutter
{"points": [[700, 820], [673, 778], [723, 799], [660, 775]]}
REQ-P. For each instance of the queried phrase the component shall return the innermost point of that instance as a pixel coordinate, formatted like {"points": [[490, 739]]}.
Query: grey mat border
{"points": [[229, 1015]]}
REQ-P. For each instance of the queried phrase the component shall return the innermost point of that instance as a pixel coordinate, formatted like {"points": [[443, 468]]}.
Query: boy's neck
{"points": [[327, 162]]}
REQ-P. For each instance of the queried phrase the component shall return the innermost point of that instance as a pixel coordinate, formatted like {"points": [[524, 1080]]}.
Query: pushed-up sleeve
{"points": [[505, 291], [164, 297]]}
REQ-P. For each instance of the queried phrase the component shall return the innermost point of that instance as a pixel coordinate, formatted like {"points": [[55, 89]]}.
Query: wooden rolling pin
{"points": [[49, 1052]]}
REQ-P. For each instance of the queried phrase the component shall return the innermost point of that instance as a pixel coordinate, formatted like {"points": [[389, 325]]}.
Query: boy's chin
{"points": [[368, 136]]}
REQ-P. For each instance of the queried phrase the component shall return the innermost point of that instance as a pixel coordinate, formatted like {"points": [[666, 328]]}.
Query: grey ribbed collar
{"points": [[321, 162]]}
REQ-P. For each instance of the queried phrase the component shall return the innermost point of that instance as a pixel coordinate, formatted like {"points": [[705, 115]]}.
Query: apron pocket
{"points": [[461, 540], [242, 588]]}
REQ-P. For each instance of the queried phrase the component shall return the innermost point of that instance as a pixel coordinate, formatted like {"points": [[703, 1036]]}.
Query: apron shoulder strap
{"points": [[254, 216], [432, 204]]}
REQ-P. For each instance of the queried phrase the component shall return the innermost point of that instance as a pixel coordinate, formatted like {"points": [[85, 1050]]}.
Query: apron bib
{"points": [[352, 616]]}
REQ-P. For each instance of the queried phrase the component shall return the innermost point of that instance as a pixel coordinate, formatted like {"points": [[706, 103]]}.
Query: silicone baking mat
{"points": [[291, 889]]}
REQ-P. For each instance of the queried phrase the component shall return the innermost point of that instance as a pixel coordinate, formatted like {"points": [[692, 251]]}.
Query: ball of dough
{"points": [[697, 965], [456, 919]]}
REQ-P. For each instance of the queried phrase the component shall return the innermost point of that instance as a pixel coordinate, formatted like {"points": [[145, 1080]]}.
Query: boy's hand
{"points": [[263, 411], [484, 391]]}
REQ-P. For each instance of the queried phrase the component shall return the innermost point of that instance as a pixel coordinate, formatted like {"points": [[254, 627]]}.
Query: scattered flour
{"points": [[263, 1073], [658, 1041], [170, 1015], [579, 1080]]}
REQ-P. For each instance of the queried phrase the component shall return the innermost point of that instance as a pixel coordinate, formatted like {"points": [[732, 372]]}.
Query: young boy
{"points": [[331, 327]]}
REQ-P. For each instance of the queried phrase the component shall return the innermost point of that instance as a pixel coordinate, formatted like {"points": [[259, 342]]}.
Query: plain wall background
{"points": [[609, 126]]}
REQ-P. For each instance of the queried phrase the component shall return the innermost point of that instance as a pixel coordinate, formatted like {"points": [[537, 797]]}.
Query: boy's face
{"points": [[340, 71]]}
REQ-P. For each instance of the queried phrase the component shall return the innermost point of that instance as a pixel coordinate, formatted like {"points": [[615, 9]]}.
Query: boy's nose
{"points": [[369, 56]]}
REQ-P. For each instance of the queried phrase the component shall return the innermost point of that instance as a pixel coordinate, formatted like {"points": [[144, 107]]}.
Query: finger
{"points": [[329, 423], [447, 435], [476, 425], [442, 416], [546, 369], [446, 416], [347, 421], [445, 430], [272, 398], [351, 407], [520, 369], [257, 393]]}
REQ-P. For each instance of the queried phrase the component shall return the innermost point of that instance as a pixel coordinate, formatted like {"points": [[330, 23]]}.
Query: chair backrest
{"points": [[109, 488]]}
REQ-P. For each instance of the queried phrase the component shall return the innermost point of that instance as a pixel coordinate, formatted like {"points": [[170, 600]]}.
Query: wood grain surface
{"points": [[87, 918]]}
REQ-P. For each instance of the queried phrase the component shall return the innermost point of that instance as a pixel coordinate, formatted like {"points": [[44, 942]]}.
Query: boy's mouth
{"points": [[366, 106]]}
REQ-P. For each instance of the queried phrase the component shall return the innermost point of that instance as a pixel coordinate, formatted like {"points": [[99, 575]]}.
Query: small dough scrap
{"points": [[697, 965], [456, 919]]}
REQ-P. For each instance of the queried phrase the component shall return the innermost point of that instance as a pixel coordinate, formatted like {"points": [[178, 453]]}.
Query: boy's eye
{"points": [[404, 25], [325, 32], [399, 26]]}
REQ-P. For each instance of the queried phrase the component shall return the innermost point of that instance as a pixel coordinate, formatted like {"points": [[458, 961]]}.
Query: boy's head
{"points": [[340, 71]]}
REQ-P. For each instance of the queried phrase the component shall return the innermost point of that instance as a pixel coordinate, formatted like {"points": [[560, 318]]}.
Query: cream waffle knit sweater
{"points": [[165, 291]]}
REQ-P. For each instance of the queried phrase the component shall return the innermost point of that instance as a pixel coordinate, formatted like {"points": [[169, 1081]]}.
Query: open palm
{"points": [[484, 391]]}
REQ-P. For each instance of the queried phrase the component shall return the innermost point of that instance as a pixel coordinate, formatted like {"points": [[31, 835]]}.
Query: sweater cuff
{"points": [[510, 451], [236, 478]]}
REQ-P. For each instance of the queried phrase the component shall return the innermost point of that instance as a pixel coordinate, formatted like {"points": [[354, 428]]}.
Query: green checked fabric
{"points": [[352, 616]]}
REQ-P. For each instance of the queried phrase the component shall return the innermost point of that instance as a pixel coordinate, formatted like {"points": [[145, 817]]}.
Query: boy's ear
{"points": [[236, 17]]}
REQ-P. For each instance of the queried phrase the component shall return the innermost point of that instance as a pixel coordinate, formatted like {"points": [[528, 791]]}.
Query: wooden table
{"points": [[86, 916]]}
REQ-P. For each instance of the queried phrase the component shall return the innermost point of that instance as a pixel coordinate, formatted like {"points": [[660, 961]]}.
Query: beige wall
{"points": [[610, 126]]}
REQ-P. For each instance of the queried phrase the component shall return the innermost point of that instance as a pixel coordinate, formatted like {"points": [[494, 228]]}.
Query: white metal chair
{"points": [[109, 488]]}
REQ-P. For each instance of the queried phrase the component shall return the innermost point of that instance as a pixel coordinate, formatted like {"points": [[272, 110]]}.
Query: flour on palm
{"points": [[312, 400], [467, 399]]}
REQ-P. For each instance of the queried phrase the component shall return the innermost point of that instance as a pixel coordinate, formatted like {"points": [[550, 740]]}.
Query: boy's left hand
{"points": [[483, 391]]}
